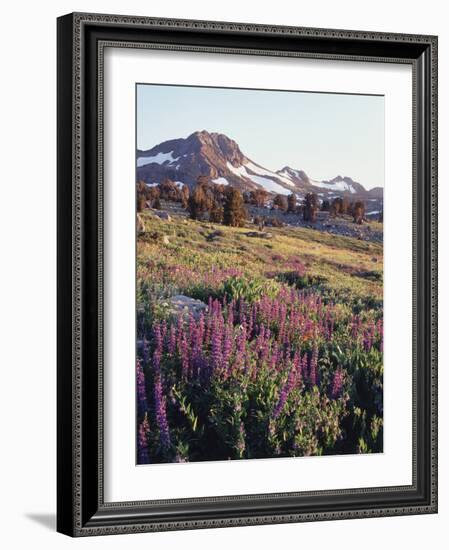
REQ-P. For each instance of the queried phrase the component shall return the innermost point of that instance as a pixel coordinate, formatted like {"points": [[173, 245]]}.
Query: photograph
{"points": [[247, 274], [259, 273]]}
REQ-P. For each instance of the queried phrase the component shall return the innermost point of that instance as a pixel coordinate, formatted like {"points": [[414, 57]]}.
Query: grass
{"points": [[334, 258]]}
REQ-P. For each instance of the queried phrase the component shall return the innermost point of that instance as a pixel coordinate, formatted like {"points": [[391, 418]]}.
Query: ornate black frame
{"points": [[81, 507]]}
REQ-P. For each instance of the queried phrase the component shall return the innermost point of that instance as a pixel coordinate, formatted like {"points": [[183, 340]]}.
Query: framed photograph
{"points": [[247, 276]]}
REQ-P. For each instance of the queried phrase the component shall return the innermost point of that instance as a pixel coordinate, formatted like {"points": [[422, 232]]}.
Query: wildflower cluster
{"points": [[279, 376]]}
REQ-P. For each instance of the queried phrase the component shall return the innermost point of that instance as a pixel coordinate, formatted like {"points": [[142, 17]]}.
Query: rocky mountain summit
{"points": [[220, 158]]}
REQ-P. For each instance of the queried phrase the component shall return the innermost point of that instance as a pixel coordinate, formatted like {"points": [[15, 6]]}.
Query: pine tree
{"points": [[142, 194], [281, 202], [258, 197], [358, 212], [185, 193], [311, 204], [234, 213], [325, 206], [345, 205], [141, 203], [291, 203], [216, 213], [337, 206], [197, 203]]}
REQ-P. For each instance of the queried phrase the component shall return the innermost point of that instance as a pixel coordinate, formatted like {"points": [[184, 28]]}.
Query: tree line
{"points": [[227, 205]]}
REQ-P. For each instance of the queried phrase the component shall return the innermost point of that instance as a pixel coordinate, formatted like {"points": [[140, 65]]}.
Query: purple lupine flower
{"points": [[192, 330], [164, 330], [285, 392], [282, 322], [184, 354], [208, 328], [264, 345], [161, 414], [172, 341], [145, 351], [355, 329], [368, 337], [142, 403], [159, 398], [227, 348], [313, 366], [250, 324], [337, 383], [158, 340], [143, 454], [296, 366], [202, 368], [240, 356], [274, 356], [201, 329], [216, 351]]}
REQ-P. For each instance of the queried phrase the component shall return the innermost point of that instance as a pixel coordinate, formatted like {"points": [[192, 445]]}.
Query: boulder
{"points": [[181, 305], [165, 239]]}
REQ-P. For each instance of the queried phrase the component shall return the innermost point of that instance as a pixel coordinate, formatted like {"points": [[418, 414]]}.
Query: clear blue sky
{"points": [[323, 134]]}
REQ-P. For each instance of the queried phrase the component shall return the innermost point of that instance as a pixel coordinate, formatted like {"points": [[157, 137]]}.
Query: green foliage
{"points": [[249, 290]]}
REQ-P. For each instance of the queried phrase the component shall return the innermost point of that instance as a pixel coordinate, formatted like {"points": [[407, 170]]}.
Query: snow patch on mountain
{"points": [[340, 185], [221, 181], [239, 171], [179, 184], [266, 182], [160, 158], [263, 172], [269, 185]]}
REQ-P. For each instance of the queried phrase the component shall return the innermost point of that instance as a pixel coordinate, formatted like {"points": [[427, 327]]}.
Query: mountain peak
{"points": [[220, 159], [214, 145], [342, 178], [298, 176]]}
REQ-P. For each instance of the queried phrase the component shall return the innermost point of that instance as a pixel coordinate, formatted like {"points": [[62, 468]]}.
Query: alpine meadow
{"points": [[259, 286]]}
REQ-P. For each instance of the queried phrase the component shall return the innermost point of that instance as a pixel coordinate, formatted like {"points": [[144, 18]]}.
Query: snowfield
{"points": [[269, 185], [266, 182], [336, 186], [160, 158], [263, 172]]}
